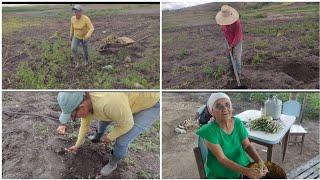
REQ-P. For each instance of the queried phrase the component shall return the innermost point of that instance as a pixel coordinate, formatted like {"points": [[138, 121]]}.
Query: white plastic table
{"points": [[268, 139]]}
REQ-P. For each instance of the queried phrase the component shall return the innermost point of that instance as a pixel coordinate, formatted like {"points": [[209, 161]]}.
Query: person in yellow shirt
{"points": [[132, 112], [81, 30]]}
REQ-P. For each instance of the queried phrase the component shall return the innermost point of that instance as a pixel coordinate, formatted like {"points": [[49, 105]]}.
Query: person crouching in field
{"points": [[80, 31], [230, 23], [132, 112]]}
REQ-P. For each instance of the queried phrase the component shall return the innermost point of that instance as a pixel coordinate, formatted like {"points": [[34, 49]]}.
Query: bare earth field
{"points": [[37, 51], [178, 160], [280, 48], [31, 147]]}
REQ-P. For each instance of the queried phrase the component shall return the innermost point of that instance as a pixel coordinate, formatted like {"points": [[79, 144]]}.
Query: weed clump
{"points": [[183, 53]]}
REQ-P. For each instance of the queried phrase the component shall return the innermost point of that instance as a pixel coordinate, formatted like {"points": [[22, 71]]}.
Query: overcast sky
{"points": [[20, 5], [182, 4]]}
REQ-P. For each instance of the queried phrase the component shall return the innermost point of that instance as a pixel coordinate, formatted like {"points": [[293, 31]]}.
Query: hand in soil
{"points": [[72, 149], [61, 129], [106, 140], [253, 173]]}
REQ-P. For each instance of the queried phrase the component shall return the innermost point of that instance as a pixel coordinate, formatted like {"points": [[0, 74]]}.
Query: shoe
{"points": [[77, 64], [86, 62], [110, 167], [97, 138]]}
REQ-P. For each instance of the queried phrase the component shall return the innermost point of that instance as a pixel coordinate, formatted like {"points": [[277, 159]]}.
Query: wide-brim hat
{"points": [[227, 15]]}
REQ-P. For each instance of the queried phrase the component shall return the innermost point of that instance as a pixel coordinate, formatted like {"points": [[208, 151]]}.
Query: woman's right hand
{"points": [[253, 173], [73, 149], [61, 129]]}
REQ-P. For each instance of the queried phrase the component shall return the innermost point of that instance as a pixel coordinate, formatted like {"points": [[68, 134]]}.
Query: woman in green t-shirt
{"points": [[228, 143]]}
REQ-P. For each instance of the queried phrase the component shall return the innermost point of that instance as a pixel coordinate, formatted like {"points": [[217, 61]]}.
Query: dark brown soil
{"points": [[287, 62], [33, 149]]}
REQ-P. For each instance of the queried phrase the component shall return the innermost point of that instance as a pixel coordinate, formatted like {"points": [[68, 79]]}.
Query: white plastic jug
{"points": [[273, 107]]}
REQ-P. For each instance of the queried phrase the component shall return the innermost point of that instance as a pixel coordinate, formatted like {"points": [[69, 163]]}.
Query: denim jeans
{"points": [[143, 120], [236, 53], [74, 48]]}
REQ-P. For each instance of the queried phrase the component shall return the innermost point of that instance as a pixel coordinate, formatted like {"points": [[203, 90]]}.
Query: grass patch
{"points": [[183, 53], [50, 68], [308, 41], [129, 161], [148, 140], [258, 58], [208, 71], [169, 26], [135, 146], [260, 45], [260, 16], [145, 175], [40, 129], [132, 78], [262, 10], [13, 24], [218, 73]]}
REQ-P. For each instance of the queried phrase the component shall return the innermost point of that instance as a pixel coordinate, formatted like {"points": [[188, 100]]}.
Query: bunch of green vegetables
{"points": [[265, 123]]}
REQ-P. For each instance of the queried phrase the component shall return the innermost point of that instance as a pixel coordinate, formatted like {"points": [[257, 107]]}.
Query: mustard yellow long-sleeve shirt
{"points": [[116, 107], [81, 28]]}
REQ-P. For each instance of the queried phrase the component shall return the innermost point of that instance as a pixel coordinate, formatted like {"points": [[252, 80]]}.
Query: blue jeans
{"points": [[236, 53], [74, 48], [143, 120]]}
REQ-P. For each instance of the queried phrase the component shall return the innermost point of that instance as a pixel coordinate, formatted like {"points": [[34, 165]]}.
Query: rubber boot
{"points": [[110, 167], [97, 138]]}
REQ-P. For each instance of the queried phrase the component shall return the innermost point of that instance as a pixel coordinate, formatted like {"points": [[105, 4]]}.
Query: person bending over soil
{"points": [[132, 112]]}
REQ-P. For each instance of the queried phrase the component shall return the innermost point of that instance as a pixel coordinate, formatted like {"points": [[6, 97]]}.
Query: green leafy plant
{"points": [[183, 53], [257, 59], [218, 73], [208, 71], [144, 175]]}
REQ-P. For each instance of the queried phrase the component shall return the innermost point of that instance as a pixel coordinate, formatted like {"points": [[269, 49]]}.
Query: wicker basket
{"points": [[275, 171]]}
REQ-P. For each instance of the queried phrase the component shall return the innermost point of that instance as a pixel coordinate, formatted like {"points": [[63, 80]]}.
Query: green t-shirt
{"points": [[230, 145]]}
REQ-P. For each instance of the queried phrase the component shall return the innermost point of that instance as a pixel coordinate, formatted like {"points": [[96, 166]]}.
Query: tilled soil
{"points": [[139, 24], [178, 158], [33, 149], [287, 63]]}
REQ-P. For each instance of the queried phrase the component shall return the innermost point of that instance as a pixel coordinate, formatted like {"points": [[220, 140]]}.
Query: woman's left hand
{"points": [[264, 171], [106, 140], [229, 49]]}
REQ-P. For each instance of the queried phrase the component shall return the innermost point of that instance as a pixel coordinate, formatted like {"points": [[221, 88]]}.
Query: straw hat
{"points": [[227, 15]]}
